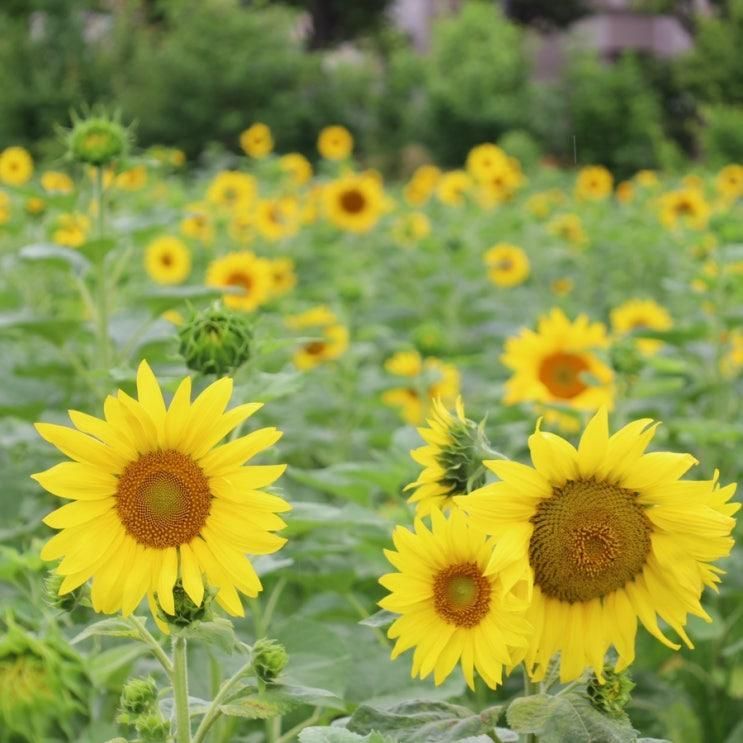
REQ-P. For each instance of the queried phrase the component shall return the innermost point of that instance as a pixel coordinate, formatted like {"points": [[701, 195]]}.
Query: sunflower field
{"points": [[292, 453]]}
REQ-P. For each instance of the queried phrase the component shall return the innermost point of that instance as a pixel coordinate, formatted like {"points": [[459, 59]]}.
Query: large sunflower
{"points": [[451, 610], [557, 363], [167, 260], [354, 202], [155, 498], [641, 314], [606, 534]]}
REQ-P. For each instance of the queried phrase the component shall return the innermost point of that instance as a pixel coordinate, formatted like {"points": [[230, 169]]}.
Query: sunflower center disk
{"points": [[163, 499], [461, 594], [353, 201], [590, 538], [240, 279], [561, 374]]}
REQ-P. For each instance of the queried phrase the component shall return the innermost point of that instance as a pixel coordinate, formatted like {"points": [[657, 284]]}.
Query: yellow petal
{"points": [[193, 584]]}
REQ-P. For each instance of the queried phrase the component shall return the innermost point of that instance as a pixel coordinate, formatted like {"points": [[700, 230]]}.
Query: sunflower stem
{"points": [[530, 689], [101, 282], [180, 691], [147, 638]]}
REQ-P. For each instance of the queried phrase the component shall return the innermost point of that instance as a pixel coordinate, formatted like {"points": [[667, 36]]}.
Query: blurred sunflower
{"points": [[557, 363], [451, 611], [16, 166], [167, 260], [34, 206], [132, 179], [410, 228], [641, 314], [646, 178], [354, 202], [501, 185], [278, 218], [569, 227], [283, 277], [331, 344], [685, 207], [257, 141], [594, 182], [452, 459], [562, 287], [508, 265], [198, 224], [335, 143], [242, 227], [422, 184], [729, 182], [485, 161], [452, 187], [608, 535], [53, 181], [245, 271], [296, 167], [71, 230], [542, 203], [625, 192], [156, 498], [232, 190]]}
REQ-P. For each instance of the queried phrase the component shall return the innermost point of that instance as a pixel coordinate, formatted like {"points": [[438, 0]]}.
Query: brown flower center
{"points": [[590, 538], [166, 259], [315, 348], [561, 373], [163, 499], [353, 201], [238, 278], [461, 594]]}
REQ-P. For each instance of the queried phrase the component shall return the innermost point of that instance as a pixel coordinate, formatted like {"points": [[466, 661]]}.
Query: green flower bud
{"points": [[43, 687], [462, 459], [186, 612], [269, 659], [152, 728], [69, 602], [429, 338], [97, 139], [626, 357], [613, 695], [216, 341], [138, 696]]}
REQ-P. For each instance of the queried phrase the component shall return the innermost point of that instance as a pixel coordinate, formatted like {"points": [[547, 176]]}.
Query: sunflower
{"points": [[246, 271], [501, 185], [557, 363], [276, 219], [421, 184], [335, 143], [156, 499], [404, 364], [542, 203], [452, 187], [486, 160], [34, 206], [594, 182], [242, 227], [451, 459], [354, 202], [71, 230], [452, 612], [562, 286], [508, 265], [646, 178], [606, 534], [332, 341], [729, 182], [569, 227], [167, 260], [296, 167], [198, 224], [685, 207], [232, 190], [641, 314], [625, 192], [283, 277], [53, 181], [132, 179], [16, 166], [4, 208], [257, 141], [410, 228]]}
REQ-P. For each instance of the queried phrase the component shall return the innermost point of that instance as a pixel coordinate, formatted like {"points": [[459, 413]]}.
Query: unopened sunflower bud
{"points": [[97, 139], [269, 659], [216, 341], [138, 696], [626, 357], [153, 728], [613, 695], [186, 611], [69, 602]]}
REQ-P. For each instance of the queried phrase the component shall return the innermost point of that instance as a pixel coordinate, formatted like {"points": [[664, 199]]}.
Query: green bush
{"points": [[523, 146], [475, 82], [722, 135], [611, 116]]}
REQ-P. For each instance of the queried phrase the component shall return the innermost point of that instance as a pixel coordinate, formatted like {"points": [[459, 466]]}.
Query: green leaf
{"points": [[382, 618], [111, 667], [55, 254], [112, 627], [311, 696], [433, 722], [339, 735], [253, 707], [56, 330], [219, 633]]}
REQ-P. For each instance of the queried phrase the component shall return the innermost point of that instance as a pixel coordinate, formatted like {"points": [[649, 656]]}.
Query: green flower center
{"points": [[461, 594]]}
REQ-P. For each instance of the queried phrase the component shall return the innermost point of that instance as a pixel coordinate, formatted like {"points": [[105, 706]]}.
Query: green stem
{"points": [[180, 691], [290, 735], [147, 638], [530, 688], [104, 351]]}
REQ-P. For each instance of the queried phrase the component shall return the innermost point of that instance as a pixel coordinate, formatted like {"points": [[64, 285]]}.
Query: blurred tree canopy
{"points": [[546, 14]]}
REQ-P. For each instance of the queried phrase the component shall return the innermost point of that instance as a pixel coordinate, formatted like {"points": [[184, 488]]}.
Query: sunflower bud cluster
{"points": [[138, 708], [216, 341], [97, 139], [269, 659], [461, 459], [613, 695], [186, 611]]}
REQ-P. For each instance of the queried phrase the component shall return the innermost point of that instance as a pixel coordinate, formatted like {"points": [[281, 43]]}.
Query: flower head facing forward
{"points": [[507, 265], [257, 141], [594, 182], [354, 202], [335, 143], [452, 610], [16, 166], [607, 534], [246, 272], [167, 260], [155, 497], [641, 314]]}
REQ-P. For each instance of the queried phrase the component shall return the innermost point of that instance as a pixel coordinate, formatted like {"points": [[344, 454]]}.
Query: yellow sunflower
{"points": [[331, 344], [155, 498], [296, 167], [53, 181], [562, 286], [421, 184], [625, 192], [257, 141], [335, 143], [452, 187], [508, 265], [685, 207], [16, 166], [607, 535], [557, 363], [594, 182], [71, 230], [451, 611], [501, 185], [276, 219], [410, 228], [646, 178], [542, 203], [283, 277], [729, 182], [167, 260], [486, 160], [568, 227], [34, 206], [198, 224], [132, 179], [245, 271], [232, 190], [354, 202], [451, 459], [641, 314]]}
